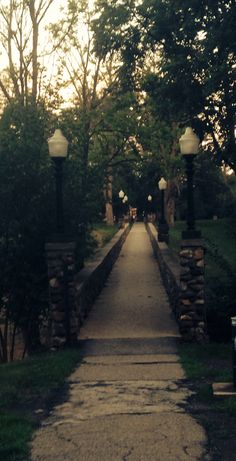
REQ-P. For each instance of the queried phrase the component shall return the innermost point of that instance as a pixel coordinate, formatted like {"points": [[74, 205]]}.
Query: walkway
{"points": [[127, 398]]}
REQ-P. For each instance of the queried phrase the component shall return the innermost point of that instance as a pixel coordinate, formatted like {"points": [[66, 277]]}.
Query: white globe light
{"points": [[58, 145], [189, 142], [162, 184]]}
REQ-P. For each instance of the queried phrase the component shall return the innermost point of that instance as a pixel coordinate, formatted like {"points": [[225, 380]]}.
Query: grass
{"points": [[219, 236], [100, 234], [26, 390], [103, 233], [204, 365]]}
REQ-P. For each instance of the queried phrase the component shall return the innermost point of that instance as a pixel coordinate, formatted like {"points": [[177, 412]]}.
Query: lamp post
{"points": [[58, 146], [121, 196], [124, 201], [149, 199], [163, 228], [189, 147], [191, 307]]}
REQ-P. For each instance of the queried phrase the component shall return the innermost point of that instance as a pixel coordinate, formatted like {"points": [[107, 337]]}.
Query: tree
{"points": [[115, 141], [24, 77], [26, 210], [195, 46]]}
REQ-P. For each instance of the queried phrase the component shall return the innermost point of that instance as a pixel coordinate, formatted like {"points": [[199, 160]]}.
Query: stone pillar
{"points": [[61, 272], [191, 309]]}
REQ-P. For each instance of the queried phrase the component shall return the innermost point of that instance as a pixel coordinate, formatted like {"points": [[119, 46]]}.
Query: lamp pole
{"points": [[124, 201], [149, 199], [189, 146], [58, 146], [163, 228]]}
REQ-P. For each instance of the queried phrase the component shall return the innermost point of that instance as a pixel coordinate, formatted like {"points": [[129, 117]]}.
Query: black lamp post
{"points": [[124, 201], [121, 197], [163, 228], [149, 207], [58, 146], [189, 146]]}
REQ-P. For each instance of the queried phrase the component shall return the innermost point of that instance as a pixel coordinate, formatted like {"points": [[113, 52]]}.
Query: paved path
{"points": [[127, 399]]}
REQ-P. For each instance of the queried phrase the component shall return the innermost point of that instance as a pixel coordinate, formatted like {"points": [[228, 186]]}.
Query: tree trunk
{"points": [[108, 197], [170, 211], [171, 196], [109, 214]]}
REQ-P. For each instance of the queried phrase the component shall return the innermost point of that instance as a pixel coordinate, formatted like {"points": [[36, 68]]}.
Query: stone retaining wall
{"points": [[90, 280], [184, 283], [169, 268], [72, 295]]}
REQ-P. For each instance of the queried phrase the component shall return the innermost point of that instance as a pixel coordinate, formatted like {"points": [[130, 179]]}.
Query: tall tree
{"points": [[22, 23], [195, 45]]}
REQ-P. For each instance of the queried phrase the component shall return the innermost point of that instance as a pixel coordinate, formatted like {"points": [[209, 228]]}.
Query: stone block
{"points": [[184, 271], [190, 294], [185, 317], [183, 286], [186, 302], [184, 262], [200, 263], [199, 301], [185, 324], [198, 253], [57, 316], [196, 271], [196, 287], [58, 329], [54, 283], [201, 294], [184, 309], [58, 342], [185, 277], [186, 253]]}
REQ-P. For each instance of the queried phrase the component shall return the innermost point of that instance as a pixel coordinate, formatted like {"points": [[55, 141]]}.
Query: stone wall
{"points": [[71, 295], [192, 319], [169, 267], [63, 322], [184, 282], [90, 280]]}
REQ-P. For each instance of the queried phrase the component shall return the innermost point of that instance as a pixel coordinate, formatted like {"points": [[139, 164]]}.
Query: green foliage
{"points": [[189, 54], [25, 208], [212, 192], [24, 388], [98, 235]]}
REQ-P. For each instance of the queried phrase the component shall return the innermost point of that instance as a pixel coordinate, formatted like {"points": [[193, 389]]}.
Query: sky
{"points": [[54, 14]]}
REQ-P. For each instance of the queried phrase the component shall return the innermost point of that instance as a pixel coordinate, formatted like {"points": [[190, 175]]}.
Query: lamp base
{"points": [[163, 232], [191, 234]]}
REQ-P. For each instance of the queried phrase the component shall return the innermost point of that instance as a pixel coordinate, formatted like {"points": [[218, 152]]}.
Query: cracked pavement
{"points": [[127, 398]]}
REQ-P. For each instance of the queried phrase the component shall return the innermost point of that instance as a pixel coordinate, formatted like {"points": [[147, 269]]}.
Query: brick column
{"points": [[61, 271], [191, 309]]}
